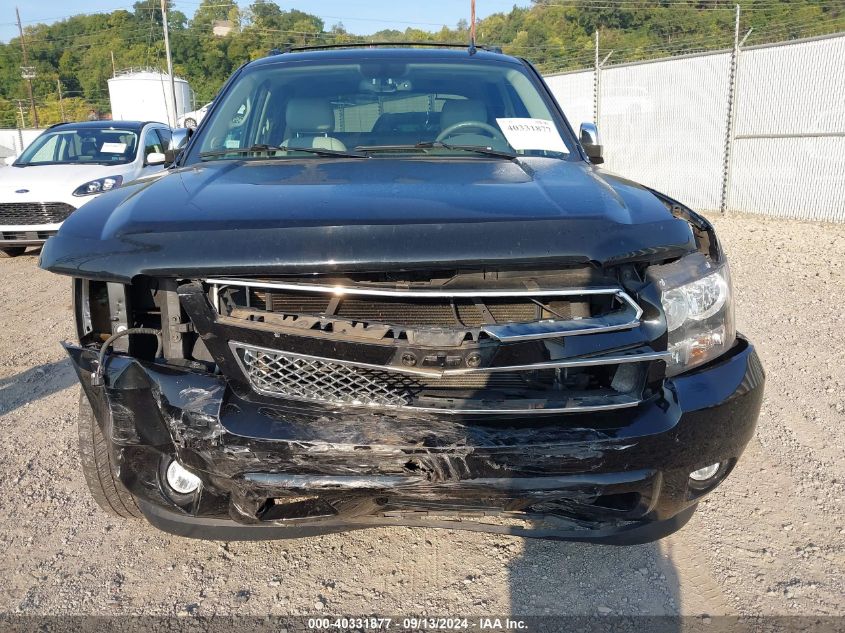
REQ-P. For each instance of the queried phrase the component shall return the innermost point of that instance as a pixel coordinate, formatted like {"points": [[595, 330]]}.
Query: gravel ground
{"points": [[768, 541]]}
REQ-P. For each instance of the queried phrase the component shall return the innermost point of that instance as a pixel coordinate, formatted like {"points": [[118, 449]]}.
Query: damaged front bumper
{"points": [[292, 469]]}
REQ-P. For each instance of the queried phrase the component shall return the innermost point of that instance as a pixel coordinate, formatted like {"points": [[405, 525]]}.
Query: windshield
{"points": [[382, 108], [108, 146]]}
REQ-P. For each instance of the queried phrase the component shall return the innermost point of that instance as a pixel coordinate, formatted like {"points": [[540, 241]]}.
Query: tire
{"points": [[95, 457], [190, 123], [11, 251]]}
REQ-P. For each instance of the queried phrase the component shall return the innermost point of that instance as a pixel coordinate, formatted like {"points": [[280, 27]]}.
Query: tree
{"points": [[555, 36], [210, 11]]}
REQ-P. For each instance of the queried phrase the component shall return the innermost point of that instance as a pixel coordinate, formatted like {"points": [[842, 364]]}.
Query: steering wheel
{"points": [[470, 125]]}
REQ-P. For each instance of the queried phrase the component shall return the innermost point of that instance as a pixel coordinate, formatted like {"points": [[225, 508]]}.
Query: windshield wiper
{"points": [[255, 149], [426, 145], [67, 162], [480, 149]]}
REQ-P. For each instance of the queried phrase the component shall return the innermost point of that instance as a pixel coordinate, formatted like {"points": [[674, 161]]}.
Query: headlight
{"points": [[99, 186], [697, 302]]}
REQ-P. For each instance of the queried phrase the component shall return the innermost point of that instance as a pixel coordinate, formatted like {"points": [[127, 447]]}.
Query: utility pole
{"points": [[20, 110], [472, 22], [172, 110], [61, 103], [27, 71], [20, 129], [113, 69]]}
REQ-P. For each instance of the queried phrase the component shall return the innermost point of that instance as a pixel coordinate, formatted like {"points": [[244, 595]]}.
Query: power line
{"points": [[96, 33], [633, 5], [80, 14]]}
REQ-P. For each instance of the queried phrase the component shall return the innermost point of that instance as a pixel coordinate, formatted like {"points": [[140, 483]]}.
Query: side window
{"points": [[517, 108], [350, 116], [47, 152], [67, 147], [152, 144], [164, 136]]}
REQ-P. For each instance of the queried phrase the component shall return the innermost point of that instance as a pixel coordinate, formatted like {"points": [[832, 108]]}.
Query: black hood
{"points": [[322, 215]]}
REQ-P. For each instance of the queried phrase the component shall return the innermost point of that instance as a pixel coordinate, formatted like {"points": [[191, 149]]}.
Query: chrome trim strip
{"points": [[554, 328], [84, 300], [505, 332], [215, 298], [578, 362], [540, 482], [629, 402], [286, 480], [431, 294], [624, 296]]}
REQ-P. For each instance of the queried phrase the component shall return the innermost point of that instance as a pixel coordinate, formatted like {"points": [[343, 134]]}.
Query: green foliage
{"points": [[553, 34]]}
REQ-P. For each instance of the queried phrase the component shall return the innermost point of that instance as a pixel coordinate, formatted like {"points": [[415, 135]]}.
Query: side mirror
{"points": [[156, 158], [590, 142], [171, 155]]}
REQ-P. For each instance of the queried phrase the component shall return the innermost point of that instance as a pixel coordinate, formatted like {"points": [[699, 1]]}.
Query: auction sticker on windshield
{"points": [[113, 148], [532, 134]]}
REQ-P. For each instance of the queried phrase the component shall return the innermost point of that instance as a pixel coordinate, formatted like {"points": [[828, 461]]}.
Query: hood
{"points": [[46, 183], [322, 215]]}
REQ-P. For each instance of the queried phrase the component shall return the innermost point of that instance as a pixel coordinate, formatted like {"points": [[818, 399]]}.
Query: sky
{"points": [[358, 16]]}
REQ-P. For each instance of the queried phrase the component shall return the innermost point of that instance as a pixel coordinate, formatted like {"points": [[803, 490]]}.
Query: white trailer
{"points": [[146, 96]]}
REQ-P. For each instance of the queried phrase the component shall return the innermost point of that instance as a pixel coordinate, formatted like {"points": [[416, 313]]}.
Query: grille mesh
{"points": [[320, 381], [25, 235], [26, 213]]}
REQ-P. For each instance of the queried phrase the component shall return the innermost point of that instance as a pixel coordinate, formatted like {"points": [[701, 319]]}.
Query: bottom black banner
{"points": [[12, 623]]}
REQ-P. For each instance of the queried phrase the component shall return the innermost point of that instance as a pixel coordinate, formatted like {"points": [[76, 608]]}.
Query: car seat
{"points": [[309, 122]]}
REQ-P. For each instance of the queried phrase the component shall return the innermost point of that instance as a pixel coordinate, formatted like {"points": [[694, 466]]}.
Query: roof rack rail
{"points": [[317, 47]]}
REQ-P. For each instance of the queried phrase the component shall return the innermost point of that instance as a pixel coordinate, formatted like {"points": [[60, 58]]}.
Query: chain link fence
{"points": [[779, 151]]}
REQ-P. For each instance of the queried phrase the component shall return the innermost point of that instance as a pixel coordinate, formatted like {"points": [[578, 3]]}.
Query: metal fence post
{"points": [[727, 165], [596, 84]]}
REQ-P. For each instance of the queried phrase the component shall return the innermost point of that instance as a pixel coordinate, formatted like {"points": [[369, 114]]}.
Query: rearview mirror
{"points": [[590, 142], [156, 158]]}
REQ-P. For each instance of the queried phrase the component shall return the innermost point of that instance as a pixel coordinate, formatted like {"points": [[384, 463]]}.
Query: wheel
{"points": [[95, 457], [11, 251], [190, 123]]}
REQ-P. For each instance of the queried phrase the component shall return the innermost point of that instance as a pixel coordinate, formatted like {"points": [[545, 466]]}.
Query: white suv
{"points": [[191, 120], [68, 165]]}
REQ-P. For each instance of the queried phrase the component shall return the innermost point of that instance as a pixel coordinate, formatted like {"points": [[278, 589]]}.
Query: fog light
{"points": [[181, 480], [703, 474]]}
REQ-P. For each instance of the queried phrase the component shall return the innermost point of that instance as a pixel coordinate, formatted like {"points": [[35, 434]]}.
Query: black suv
{"points": [[389, 286]]}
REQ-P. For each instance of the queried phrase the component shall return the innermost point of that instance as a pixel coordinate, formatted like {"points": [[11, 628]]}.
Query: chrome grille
{"points": [[528, 388], [315, 380], [29, 213], [288, 319], [507, 315]]}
